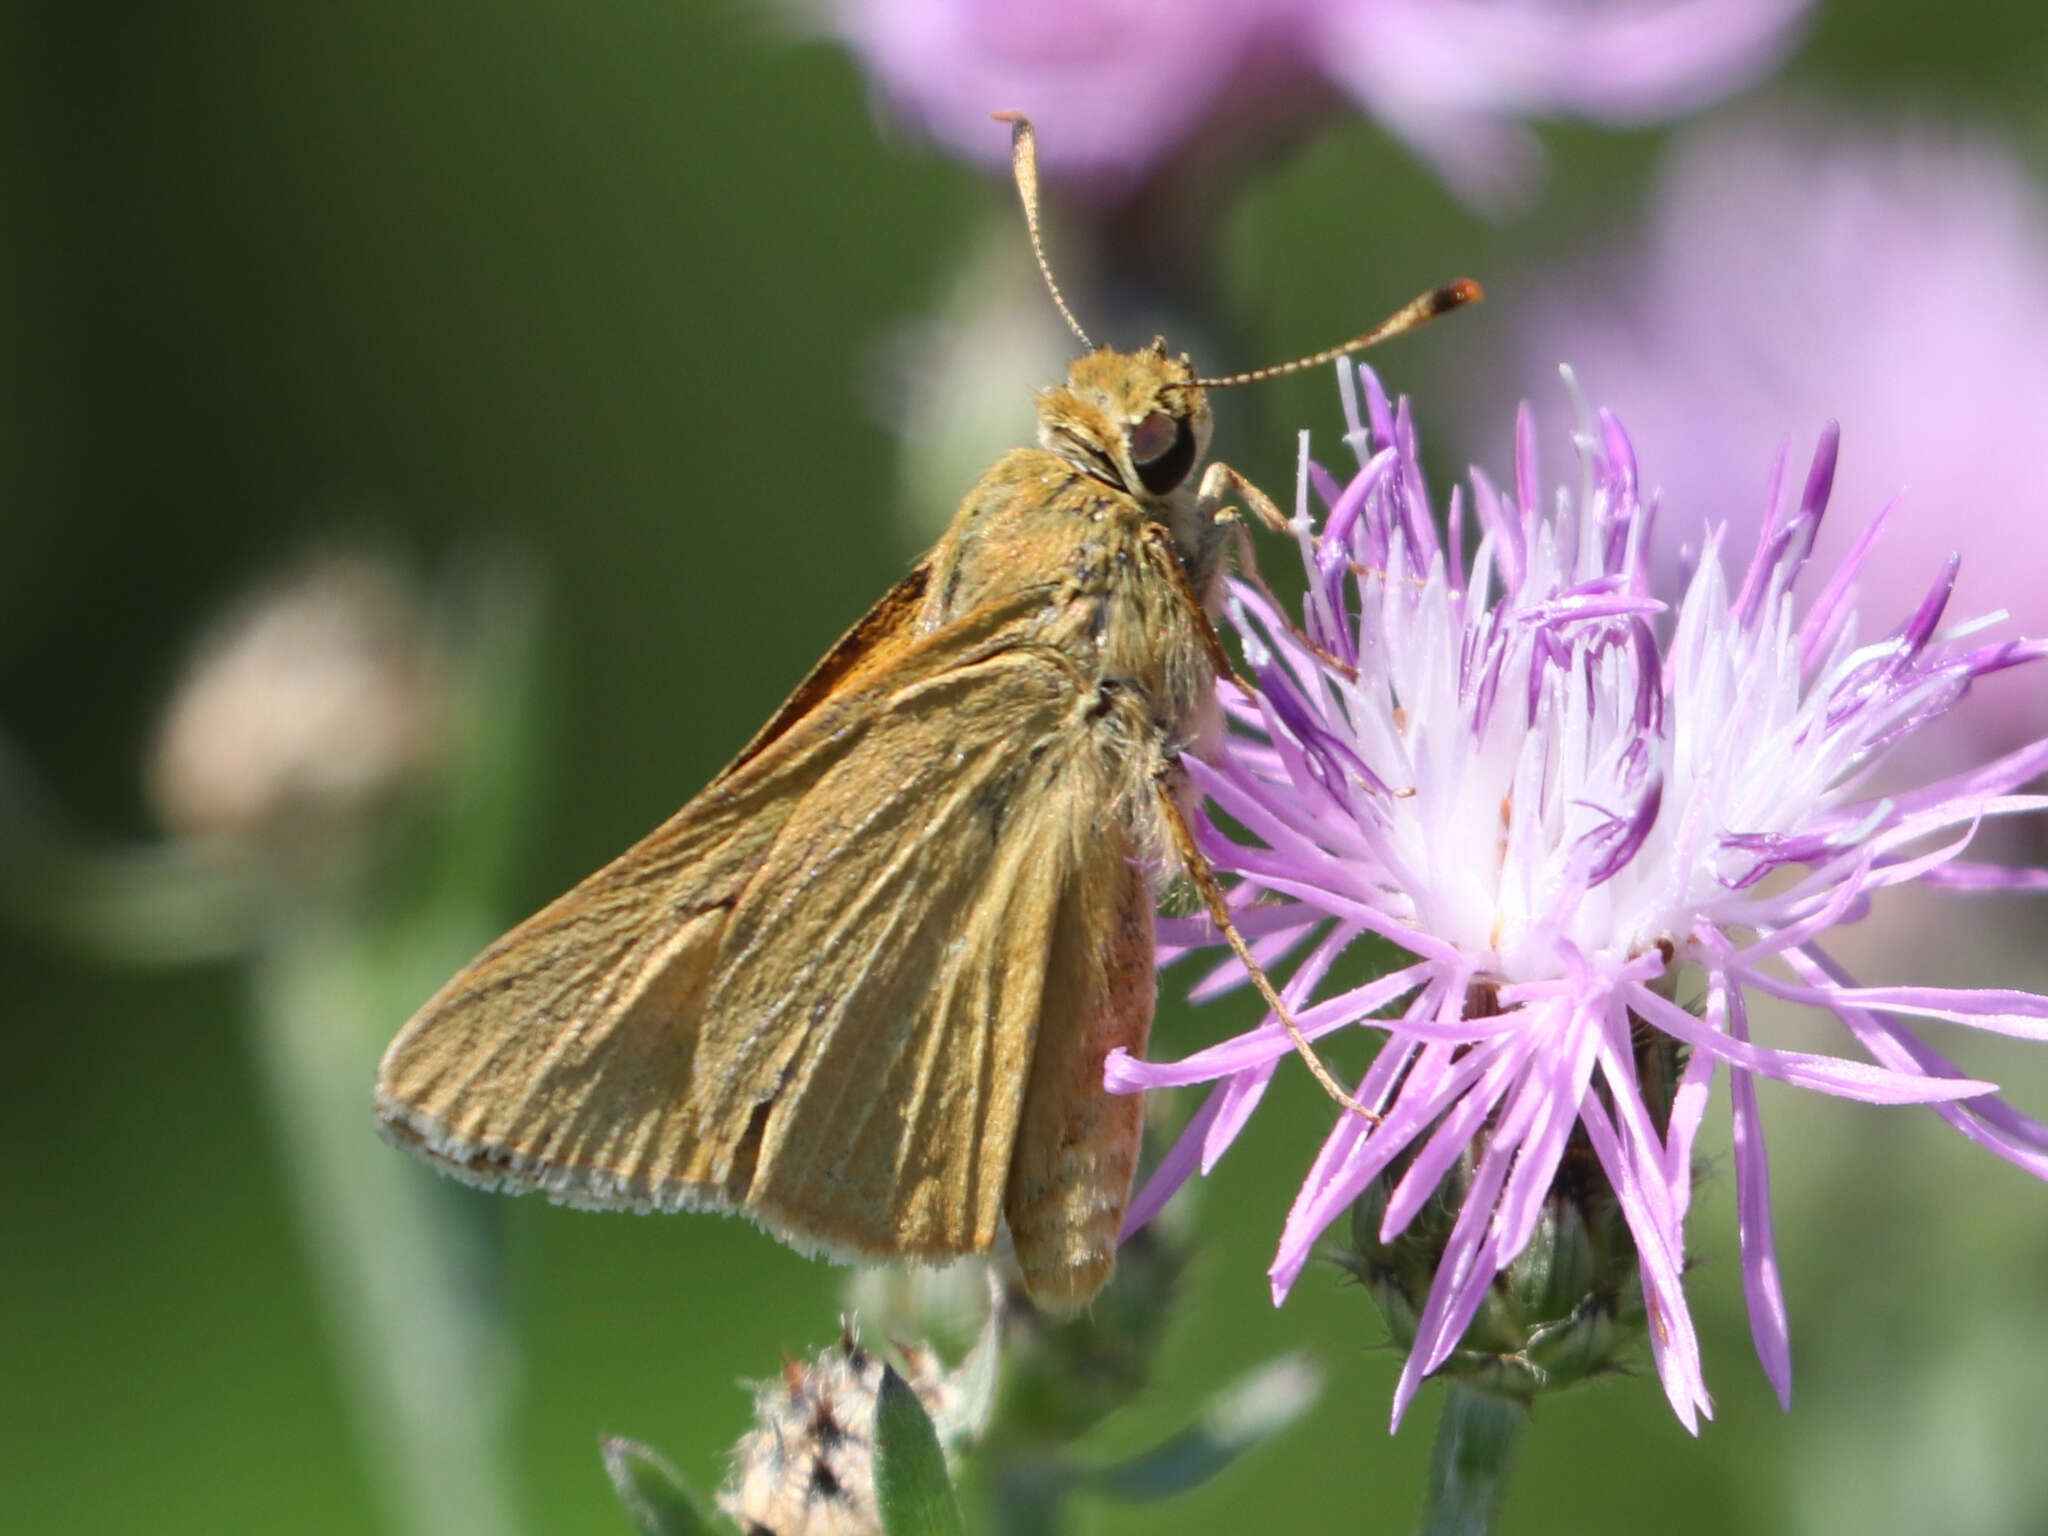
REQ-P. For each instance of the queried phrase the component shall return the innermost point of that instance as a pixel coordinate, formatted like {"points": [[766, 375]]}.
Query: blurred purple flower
{"points": [[1117, 85], [1554, 790], [1793, 273]]}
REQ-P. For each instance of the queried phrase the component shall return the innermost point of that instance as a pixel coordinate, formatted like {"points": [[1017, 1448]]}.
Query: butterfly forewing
{"points": [[916, 890], [573, 1035], [820, 993]]}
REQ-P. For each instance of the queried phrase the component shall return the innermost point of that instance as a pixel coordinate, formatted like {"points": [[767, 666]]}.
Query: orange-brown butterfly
{"points": [[860, 989]]}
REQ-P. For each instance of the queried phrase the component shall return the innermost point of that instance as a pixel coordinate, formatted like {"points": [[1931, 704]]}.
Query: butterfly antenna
{"points": [[1419, 311], [1024, 161]]}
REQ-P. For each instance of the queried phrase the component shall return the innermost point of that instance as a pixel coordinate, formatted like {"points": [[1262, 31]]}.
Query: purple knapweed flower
{"points": [[1553, 790], [1117, 85], [1796, 269]]}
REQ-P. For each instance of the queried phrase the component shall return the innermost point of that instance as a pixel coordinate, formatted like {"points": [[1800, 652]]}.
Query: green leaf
{"points": [[912, 1488], [1251, 1410], [653, 1492]]}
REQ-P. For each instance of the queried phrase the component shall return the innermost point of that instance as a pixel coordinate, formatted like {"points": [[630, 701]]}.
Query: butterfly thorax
{"points": [[1120, 444]]}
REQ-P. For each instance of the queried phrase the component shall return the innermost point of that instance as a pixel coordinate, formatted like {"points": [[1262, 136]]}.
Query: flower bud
{"points": [[1568, 1306], [306, 712], [807, 1466]]}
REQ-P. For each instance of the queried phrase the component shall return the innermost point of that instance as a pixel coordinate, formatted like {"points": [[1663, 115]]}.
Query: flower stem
{"points": [[1468, 1470], [406, 1260]]}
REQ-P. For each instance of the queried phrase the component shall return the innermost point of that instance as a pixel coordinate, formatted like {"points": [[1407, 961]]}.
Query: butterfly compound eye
{"points": [[1163, 449]]}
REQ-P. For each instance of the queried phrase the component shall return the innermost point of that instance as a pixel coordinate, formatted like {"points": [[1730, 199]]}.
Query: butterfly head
{"points": [[1133, 419]]}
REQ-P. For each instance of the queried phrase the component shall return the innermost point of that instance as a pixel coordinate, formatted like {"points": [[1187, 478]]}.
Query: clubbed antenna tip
{"points": [[1418, 311]]}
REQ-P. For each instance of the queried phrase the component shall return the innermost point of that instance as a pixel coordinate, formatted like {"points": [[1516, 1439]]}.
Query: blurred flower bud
{"points": [[1063, 1375], [307, 713], [1121, 86], [1801, 266], [807, 1466], [956, 385], [947, 1305]]}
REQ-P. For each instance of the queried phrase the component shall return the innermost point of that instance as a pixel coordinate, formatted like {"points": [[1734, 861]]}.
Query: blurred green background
{"points": [[604, 283]]}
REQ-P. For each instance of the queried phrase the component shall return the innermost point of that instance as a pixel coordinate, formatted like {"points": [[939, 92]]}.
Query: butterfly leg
{"points": [[1169, 780], [1168, 563], [1219, 483]]}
